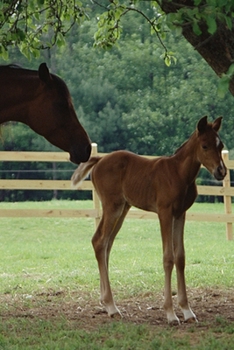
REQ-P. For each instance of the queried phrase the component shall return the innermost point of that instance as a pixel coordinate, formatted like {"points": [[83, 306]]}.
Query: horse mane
{"points": [[11, 66], [178, 149], [61, 85], [183, 144]]}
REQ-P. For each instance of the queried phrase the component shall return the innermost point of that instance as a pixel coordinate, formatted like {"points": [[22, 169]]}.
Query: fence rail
{"points": [[12, 184]]}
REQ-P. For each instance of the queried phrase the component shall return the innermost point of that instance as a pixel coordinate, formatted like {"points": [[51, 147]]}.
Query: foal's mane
{"points": [[183, 144]]}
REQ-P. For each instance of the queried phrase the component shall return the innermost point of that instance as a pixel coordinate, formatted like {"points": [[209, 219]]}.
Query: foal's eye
{"points": [[205, 147]]}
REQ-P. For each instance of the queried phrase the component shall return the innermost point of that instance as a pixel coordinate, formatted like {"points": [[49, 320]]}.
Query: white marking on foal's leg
{"points": [[172, 318], [111, 309], [189, 315]]}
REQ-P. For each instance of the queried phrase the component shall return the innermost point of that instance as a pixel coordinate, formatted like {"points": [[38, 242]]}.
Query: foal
{"points": [[165, 185]]}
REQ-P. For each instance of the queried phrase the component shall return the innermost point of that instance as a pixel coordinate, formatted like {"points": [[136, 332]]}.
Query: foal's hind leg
{"points": [[102, 241], [179, 255], [166, 221]]}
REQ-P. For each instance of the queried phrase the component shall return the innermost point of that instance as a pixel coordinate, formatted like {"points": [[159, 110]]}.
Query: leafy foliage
{"points": [[208, 12], [36, 24], [41, 24]]}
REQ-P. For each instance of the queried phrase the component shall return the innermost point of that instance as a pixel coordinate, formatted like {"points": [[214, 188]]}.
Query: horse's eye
{"points": [[205, 147]]}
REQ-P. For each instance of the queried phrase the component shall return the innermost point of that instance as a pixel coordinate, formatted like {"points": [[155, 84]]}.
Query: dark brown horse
{"points": [[164, 185], [42, 101]]}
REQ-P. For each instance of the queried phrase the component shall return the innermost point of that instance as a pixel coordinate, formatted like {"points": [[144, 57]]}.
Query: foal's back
{"points": [[123, 176]]}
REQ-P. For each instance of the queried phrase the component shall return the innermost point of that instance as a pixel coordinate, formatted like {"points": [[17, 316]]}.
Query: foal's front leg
{"points": [[179, 255]]}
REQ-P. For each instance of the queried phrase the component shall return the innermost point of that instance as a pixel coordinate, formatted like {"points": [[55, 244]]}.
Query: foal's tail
{"points": [[82, 171]]}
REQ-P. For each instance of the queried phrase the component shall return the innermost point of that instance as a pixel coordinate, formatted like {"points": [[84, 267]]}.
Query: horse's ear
{"points": [[202, 124], [217, 123], [44, 73]]}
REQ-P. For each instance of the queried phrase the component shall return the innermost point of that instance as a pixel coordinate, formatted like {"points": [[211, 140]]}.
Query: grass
{"points": [[49, 262]]}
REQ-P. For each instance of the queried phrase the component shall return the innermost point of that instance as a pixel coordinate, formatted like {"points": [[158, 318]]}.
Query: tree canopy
{"points": [[206, 24]]}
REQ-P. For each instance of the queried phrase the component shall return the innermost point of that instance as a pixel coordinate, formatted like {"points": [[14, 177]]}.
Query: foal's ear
{"points": [[44, 73], [217, 123], [202, 124]]}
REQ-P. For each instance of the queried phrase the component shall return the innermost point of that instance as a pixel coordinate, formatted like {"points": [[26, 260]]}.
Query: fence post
{"points": [[227, 199], [96, 200]]}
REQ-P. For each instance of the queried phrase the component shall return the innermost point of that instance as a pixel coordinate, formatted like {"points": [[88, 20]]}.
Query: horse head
{"points": [[62, 127], [210, 147]]}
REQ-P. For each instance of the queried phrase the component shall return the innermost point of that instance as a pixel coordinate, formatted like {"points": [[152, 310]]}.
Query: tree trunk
{"points": [[216, 49]]}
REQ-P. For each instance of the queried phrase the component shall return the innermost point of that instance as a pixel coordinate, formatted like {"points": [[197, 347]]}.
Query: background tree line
{"points": [[126, 98]]}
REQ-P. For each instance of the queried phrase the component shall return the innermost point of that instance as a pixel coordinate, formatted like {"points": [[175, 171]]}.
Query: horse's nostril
{"points": [[221, 172]]}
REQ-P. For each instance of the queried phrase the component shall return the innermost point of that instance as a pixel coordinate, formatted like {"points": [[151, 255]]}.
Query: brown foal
{"points": [[164, 185]]}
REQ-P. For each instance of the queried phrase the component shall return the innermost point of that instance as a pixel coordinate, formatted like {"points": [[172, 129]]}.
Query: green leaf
{"points": [[21, 34], [196, 28], [167, 60], [60, 40], [228, 22], [212, 25], [25, 51], [35, 53], [3, 52], [223, 86], [230, 71]]}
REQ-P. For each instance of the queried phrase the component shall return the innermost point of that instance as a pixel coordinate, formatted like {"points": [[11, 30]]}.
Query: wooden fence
{"points": [[225, 190]]}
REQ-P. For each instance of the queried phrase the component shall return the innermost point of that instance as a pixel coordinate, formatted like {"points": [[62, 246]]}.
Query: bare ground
{"points": [[84, 310]]}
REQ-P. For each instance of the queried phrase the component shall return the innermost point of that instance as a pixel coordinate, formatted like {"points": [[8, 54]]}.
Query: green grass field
{"points": [[48, 263]]}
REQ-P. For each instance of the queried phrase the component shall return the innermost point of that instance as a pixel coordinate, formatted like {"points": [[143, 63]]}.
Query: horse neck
{"points": [[18, 89], [188, 164]]}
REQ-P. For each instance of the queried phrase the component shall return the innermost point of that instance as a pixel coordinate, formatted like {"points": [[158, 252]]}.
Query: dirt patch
{"points": [[209, 305]]}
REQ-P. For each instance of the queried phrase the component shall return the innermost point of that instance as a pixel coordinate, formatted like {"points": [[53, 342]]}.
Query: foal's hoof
{"points": [[191, 320], [116, 316], [174, 323], [112, 311], [172, 319]]}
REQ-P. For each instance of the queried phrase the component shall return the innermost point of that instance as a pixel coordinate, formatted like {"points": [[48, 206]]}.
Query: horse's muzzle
{"points": [[220, 172], [77, 156]]}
